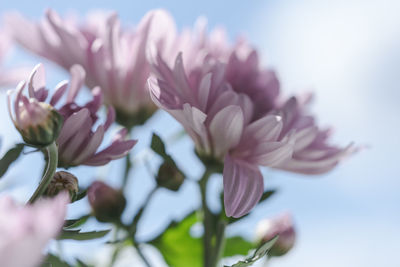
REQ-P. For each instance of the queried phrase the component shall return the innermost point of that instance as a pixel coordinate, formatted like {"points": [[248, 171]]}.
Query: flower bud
{"points": [[107, 203], [283, 227], [38, 123], [63, 181], [169, 176]]}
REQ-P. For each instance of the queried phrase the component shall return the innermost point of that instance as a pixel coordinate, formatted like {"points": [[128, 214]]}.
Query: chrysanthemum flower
{"points": [[231, 106], [222, 124], [26, 230], [114, 58], [77, 142]]}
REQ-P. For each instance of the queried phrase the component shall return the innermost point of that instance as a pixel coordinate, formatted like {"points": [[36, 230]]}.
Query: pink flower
{"points": [[231, 106], [222, 124], [8, 77], [26, 230], [281, 225], [77, 142], [114, 58]]}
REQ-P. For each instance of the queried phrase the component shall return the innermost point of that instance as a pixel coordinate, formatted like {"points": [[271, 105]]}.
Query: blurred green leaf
{"points": [[267, 194], [78, 235], [258, 254], [237, 245], [80, 263], [53, 261], [157, 145], [178, 247], [69, 224], [10, 156]]}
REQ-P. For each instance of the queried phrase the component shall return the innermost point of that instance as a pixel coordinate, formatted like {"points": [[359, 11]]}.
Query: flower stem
{"points": [[128, 166], [52, 161], [220, 242], [207, 221], [142, 256]]}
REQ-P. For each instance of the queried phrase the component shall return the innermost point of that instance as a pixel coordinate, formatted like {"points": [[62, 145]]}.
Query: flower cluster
{"points": [[40, 122], [231, 108], [114, 58], [225, 99]]}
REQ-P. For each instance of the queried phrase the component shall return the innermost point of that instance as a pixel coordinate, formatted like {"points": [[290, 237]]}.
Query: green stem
{"points": [[207, 221], [128, 166], [142, 256], [220, 242], [52, 153]]}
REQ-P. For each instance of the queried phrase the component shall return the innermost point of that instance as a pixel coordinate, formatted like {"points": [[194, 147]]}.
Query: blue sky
{"points": [[348, 52]]}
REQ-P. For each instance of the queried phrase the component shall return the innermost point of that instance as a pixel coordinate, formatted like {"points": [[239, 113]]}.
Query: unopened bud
{"points": [[283, 227], [38, 123], [63, 181], [107, 203], [169, 176]]}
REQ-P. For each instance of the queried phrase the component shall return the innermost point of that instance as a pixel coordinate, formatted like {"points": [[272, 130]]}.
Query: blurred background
{"points": [[347, 52]]}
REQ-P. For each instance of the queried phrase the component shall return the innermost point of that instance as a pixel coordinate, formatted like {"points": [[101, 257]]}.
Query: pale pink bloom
{"points": [[114, 58], [26, 230], [77, 142], [8, 77], [222, 124], [281, 225], [243, 71]]}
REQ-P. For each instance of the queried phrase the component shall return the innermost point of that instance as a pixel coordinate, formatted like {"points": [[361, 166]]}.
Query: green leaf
{"points": [[267, 194], [80, 263], [258, 254], [178, 247], [78, 235], [157, 145], [53, 261], [237, 245], [69, 224], [10, 156]]}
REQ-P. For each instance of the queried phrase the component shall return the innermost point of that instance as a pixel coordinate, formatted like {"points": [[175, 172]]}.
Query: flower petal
{"points": [[226, 129], [118, 149], [60, 89], [243, 187], [76, 83]]}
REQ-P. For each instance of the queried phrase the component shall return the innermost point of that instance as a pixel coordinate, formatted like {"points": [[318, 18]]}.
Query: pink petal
{"points": [[60, 89], [273, 153], [243, 187], [94, 105], [118, 149], [316, 166], [72, 124], [204, 91], [37, 83], [226, 129], [110, 118], [91, 147], [77, 78]]}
